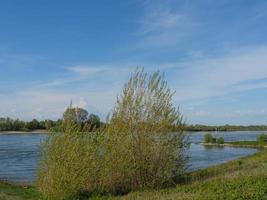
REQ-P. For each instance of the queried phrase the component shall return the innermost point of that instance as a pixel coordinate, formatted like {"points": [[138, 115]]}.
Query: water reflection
{"points": [[204, 156]]}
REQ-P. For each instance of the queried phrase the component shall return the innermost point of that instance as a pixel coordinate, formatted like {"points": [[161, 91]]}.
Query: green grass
{"points": [[245, 178], [248, 143], [10, 191]]}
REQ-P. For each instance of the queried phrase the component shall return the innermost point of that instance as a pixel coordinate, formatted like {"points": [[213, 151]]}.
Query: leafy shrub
{"points": [[220, 140], [208, 138], [71, 164], [262, 138], [141, 150], [136, 150]]}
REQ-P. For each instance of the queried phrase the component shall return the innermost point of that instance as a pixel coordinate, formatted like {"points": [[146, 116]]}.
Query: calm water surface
{"points": [[19, 153]]}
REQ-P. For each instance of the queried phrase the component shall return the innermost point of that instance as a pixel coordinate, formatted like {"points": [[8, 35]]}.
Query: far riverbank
{"points": [[234, 145], [39, 131]]}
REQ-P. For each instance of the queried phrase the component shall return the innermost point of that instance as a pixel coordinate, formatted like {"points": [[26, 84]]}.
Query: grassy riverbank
{"points": [[9, 191], [246, 144], [245, 178]]}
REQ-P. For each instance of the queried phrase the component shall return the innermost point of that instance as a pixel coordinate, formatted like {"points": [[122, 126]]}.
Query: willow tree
{"points": [[136, 149], [142, 149]]}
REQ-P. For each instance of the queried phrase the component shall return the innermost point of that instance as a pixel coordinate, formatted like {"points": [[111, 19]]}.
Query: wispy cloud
{"points": [[160, 18], [96, 86], [19, 60], [164, 24], [86, 71], [93, 87], [224, 74], [199, 45]]}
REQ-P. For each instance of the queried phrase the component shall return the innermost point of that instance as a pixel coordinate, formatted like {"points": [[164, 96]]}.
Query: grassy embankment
{"points": [[251, 144], [10, 191], [248, 143], [245, 178]]}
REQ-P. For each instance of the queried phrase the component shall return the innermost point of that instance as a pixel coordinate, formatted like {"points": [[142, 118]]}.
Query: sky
{"points": [[213, 54]]}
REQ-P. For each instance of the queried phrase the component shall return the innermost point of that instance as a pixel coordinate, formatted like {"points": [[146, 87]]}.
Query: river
{"points": [[19, 153]]}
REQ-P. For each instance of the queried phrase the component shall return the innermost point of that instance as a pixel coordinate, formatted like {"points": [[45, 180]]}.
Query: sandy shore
{"points": [[23, 132]]}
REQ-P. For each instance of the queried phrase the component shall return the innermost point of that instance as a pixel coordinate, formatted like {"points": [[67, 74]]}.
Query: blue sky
{"points": [[214, 54]]}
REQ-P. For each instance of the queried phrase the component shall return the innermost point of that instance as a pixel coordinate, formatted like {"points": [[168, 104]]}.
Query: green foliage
{"points": [[247, 143], [135, 150], [141, 151], [71, 164], [220, 140], [262, 138], [79, 116], [93, 122], [244, 179], [8, 124], [10, 191], [34, 124], [208, 138]]}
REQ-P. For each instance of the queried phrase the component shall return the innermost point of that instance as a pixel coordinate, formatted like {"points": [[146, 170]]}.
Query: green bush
{"points": [[220, 140], [71, 164], [262, 138], [141, 150], [136, 150], [208, 138]]}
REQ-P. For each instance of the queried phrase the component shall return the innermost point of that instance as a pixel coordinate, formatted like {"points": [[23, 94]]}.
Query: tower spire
{"points": [[71, 103]]}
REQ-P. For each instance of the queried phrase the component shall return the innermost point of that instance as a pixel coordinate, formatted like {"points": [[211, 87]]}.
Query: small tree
{"points": [[78, 115], [208, 138], [220, 140]]}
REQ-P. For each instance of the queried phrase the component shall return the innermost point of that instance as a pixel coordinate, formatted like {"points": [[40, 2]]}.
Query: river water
{"points": [[19, 153]]}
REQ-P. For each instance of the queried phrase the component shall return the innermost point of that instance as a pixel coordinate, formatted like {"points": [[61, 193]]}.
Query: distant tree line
{"points": [[78, 116], [8, 124], [89, 123], [226, 127]]}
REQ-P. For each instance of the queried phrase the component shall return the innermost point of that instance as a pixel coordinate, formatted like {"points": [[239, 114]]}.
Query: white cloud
{"points": [[95, 87], [222, 75], [50, 102], [164, 23], [83, 70], [159, 19], [82, 103]]}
